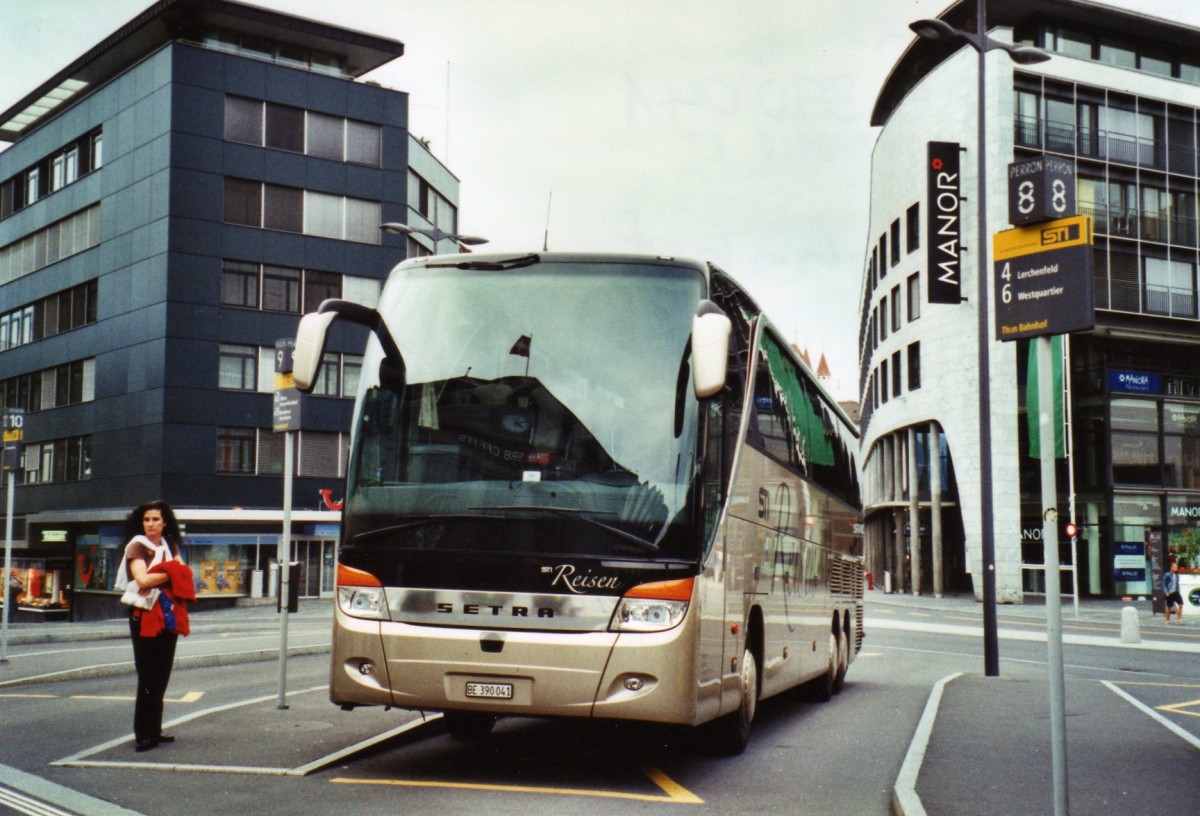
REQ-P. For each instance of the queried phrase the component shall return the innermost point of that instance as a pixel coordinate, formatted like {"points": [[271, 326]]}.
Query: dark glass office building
{"points": [[171, 202]]}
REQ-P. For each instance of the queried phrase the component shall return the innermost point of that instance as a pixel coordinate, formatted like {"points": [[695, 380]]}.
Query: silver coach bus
{"points": [[588, 486]]}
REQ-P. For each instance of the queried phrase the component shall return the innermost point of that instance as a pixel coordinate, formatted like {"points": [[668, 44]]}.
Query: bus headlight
{"points": [[360, 594], [653, 607], [363, 602]]}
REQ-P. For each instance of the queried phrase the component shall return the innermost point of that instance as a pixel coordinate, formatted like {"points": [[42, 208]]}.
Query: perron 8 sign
{"points": [[943, 223]]}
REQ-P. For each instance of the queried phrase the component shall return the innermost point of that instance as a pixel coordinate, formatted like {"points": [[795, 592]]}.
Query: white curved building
{"points": [[1120, 98]]}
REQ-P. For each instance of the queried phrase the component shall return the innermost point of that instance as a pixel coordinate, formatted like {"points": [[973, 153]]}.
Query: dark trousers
{"points": [[153, 657]]}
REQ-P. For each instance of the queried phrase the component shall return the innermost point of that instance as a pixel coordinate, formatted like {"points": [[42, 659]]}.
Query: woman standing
{"points": [[154, 537]]}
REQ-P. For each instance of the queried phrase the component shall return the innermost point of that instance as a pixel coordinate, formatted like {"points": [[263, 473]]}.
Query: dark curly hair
{"points": [[171, 532]]}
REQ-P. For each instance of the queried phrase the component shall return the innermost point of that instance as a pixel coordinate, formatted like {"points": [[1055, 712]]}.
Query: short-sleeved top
{"points": [[138, 550]]}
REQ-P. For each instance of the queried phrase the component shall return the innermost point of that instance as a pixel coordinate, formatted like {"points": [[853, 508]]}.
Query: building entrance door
{"points": [[317, 558]]}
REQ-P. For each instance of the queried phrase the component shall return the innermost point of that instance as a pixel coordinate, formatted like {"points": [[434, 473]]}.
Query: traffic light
{"points": [[1071, 530]]}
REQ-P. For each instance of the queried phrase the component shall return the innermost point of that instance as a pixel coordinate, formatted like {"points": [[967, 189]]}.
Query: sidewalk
{"points": [[983, 746]]}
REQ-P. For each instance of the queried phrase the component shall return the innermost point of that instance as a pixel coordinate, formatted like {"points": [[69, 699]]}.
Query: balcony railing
{"points": [[1126, 222], [1171, 301], [1094, 143]]}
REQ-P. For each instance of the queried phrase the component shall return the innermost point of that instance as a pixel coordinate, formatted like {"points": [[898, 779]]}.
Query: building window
{"points": [[884, 390], [283, 208], [251, 121], [67, 384], [1181, 445], [281, 289], [1170, 287], [54, 314], [58, 460], [914, 366], [895, 229], [1134, 442], [243, 202], [896, 308], [326, 136], [318, 287], [897, 375], [320, 455], [236, 450], [284, 128], [286, 289], [351, 373], [912, 232], [883, 318], [239, 284], [883, 255], [364, 143], [243, 120], [914, 296], [238, 367], [273, 206], [53, 172]]}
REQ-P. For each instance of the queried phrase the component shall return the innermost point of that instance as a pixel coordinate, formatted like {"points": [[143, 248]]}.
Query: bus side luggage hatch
{"points": [[492, 643]]}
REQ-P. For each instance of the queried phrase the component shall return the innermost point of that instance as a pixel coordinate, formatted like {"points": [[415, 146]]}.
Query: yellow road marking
{"points": [[675, 793], [189, 697], [1178, 708]]}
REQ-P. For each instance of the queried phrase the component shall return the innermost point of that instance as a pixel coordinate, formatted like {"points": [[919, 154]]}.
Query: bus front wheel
{"points": [[731, 733]]}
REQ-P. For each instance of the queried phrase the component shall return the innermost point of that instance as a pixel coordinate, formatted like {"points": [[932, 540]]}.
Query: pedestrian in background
{"points": [[153, 538], [1172, 598]]}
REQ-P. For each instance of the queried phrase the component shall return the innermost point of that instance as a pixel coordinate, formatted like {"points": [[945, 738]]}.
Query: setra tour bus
{"points": [[588, 486]]}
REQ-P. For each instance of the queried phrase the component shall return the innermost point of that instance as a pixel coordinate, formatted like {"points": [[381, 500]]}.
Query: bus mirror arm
{"points": [[314, 329], [711, 328]]}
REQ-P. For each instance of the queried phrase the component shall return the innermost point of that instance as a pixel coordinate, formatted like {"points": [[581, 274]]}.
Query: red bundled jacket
{"points": [[180, 589]]}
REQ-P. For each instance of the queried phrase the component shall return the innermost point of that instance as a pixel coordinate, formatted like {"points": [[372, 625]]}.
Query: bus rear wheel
{"points": [[731, 733]]}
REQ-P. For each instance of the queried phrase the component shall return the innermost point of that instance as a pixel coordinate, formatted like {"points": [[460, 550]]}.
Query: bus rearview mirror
{"points": [[710, 351]]}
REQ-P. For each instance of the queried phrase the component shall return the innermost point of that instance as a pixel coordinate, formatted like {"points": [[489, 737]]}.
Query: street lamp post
{"points": [[434, 234], [982, 43]]}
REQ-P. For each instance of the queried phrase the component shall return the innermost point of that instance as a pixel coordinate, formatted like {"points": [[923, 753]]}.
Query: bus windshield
{"points": [[545, 410]]}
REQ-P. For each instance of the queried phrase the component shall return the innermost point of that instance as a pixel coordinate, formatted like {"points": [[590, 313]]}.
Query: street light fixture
{"points": [[1025, 55], [432, 233]]}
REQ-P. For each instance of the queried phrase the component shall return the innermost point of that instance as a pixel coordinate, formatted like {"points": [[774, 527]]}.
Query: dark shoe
{"points": [[145, 745], [165, 738]]}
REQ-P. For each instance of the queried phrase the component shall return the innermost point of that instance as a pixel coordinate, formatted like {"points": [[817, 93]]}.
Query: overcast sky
{"points": [[734, 131]]}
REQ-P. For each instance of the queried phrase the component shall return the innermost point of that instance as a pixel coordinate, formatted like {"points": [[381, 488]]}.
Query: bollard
{"points": [[1129, 625]]}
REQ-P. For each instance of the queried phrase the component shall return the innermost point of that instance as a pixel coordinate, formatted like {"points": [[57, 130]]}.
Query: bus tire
{"points": [[820, 689], [468, 725], [843, 664], [731, 733]]}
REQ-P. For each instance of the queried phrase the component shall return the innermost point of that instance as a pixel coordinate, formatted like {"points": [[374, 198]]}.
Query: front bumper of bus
{"points": [[646, 676]]}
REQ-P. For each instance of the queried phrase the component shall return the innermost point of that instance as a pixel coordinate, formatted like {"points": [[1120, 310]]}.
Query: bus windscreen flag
{"points": [[521, 347]]}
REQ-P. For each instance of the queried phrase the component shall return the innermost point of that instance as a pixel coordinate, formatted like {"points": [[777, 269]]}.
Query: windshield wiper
{"points": [[491, 266], [381, 532], [582, 515]]}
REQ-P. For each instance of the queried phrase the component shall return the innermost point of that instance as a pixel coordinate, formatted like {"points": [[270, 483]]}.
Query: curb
{"points": [[181, 662]]}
